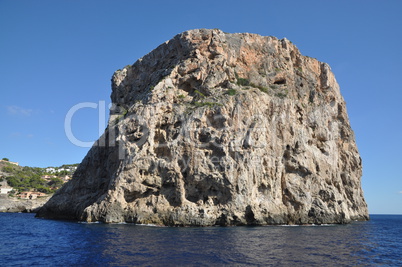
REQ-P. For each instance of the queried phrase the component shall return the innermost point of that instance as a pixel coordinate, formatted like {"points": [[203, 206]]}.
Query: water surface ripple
{"points": [[25, 240]]}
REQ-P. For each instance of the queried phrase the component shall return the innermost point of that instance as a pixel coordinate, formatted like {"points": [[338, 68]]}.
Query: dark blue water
{"points": [[25, 240]]}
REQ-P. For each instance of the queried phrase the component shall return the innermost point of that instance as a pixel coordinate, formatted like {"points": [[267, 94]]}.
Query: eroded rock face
{"points": [[212, 128]]}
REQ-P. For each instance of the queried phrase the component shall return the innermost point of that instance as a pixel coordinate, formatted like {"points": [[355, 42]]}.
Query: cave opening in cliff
{"points": [[280, 81]]}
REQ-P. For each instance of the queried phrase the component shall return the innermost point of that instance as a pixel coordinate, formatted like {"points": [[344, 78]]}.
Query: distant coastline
{"points": [[26, 189]]}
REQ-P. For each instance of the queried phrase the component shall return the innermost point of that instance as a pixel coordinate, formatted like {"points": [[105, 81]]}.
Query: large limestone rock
{"points": [[212, 128]]}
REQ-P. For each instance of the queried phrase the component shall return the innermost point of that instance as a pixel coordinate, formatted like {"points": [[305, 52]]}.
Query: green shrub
{"points": [[120, 116], [199, 93], [282, 95], [207, 104], [55, 182], [8, 169], [262, 88], [243, 82], [231, 92]]}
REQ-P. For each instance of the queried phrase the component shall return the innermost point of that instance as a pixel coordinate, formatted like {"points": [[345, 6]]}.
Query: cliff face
{"points": [[212, 128]]}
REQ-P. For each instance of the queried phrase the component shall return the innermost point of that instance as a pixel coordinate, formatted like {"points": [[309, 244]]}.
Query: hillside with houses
{"points": [[25, 182]]}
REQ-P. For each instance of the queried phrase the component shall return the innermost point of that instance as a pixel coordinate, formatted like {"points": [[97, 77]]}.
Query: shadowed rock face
{"points": [[212, 128]]}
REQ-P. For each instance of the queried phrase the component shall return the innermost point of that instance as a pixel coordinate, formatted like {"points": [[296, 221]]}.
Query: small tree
{"points": [[55, 182], [6, 159]]}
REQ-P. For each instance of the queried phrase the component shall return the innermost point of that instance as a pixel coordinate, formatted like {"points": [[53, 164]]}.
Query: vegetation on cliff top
{"points": [[32, 178]]}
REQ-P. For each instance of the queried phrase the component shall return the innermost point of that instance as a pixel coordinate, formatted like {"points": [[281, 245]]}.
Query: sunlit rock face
{"points": [[213, 128]]}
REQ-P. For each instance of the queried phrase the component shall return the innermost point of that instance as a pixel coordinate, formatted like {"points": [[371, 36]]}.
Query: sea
{"points": [[29, 241]]}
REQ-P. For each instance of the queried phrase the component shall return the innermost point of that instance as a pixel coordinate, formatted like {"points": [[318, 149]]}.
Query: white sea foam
{"points": [[82, 222], [148, 225], [303, 225]]}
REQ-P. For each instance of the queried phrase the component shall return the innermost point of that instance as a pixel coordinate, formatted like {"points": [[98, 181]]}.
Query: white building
{"points": [[50, 170], [4, 187], [5, 190]]}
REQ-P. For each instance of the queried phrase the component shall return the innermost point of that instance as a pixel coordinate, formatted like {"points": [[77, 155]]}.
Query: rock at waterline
{"points": [[12, 204], [213, 128]]}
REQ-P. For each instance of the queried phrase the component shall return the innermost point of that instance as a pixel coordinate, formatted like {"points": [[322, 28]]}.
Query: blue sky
{"points": [[57, 54]]}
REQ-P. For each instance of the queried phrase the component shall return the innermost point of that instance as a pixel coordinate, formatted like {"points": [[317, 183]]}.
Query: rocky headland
{"points": [[13, 204], [213, 128]]}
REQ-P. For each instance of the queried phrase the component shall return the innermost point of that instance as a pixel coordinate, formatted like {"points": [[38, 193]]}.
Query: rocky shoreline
{"points": [[11, 204]]}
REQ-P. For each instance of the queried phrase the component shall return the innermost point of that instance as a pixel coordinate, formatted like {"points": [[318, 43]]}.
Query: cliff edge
{"points": [[213, 128]]}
